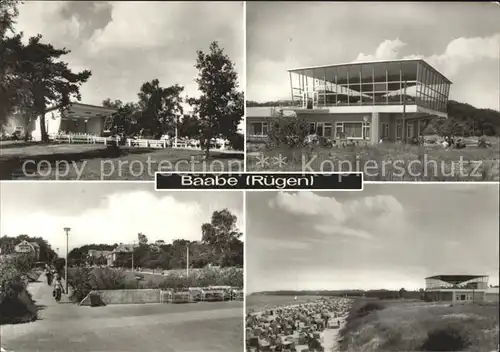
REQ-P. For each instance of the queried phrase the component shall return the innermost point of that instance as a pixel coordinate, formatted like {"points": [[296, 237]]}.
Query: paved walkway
{"points": [[200, 327]]}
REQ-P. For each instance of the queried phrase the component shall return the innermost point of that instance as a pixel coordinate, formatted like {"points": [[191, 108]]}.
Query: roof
{"points": [[455, 278], [373, 62], [34, 244], [124, 248], [81, 105]]}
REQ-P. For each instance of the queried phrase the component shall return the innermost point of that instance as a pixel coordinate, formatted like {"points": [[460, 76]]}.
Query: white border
{"points": [[260, 190]]}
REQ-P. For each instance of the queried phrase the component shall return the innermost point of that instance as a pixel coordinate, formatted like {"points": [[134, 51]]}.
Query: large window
{"points": [[258, 128], [352, 130], [324, 129], [381, 83], [384, 133]]}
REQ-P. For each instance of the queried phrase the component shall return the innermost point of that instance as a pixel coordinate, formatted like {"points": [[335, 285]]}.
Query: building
{"points": [[457, 288], [121, 252], [98, 257], [363, 101], [31, 248], [491, 294], [76, 119]]}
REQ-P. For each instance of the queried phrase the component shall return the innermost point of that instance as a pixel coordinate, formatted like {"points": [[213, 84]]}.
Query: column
{"points": [[374, 128]]}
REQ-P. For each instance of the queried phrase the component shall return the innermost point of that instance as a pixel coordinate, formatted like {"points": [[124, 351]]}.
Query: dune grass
{"points": [[403, 325]]}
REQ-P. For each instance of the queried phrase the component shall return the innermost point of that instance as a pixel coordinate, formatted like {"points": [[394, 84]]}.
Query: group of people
{"points": [[54, 279], [285, 328]]}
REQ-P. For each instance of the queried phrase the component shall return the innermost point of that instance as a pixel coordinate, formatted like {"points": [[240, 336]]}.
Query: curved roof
{"points": [[455, 278]]}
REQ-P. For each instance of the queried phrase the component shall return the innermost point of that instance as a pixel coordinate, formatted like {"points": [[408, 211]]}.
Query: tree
{"points": [[143, 240], [52, 83], [160, 107], [189, 126], [124, 120], [220, 106], [220, 233], [14, 89], [287, 130]]}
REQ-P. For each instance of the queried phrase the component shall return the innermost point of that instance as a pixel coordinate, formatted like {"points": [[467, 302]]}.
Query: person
{"points": [[48, 274], [58, 288]]}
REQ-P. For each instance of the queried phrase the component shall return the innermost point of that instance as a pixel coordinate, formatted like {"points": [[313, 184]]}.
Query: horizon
{"points": [[386, 237], [464, 49], [116, 212]]}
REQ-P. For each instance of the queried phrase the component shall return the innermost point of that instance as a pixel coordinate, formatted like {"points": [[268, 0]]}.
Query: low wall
{"points": [[125, 296]]}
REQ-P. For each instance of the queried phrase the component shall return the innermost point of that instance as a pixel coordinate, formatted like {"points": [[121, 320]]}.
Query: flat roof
{"points": [[373, 62], [455, 278]]}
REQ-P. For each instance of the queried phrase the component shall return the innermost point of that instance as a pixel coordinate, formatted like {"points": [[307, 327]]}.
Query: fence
{"points": [[139, 143]]}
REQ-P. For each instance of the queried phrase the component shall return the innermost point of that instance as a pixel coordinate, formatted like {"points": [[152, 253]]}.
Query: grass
{"points": [[389, 162], [98, 162], [259, 302], [410, 325]]}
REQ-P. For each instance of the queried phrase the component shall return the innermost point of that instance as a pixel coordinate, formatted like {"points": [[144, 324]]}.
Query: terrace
{"points": [[396, 86]]}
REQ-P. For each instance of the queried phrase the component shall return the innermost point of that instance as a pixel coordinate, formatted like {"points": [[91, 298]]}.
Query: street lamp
{"points": [[66, 229], [187, 260]]}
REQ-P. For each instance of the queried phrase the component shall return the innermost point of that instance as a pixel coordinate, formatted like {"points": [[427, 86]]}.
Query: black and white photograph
{"points": [[120, 267], [390, 89], [118, 90], [397, 267]]}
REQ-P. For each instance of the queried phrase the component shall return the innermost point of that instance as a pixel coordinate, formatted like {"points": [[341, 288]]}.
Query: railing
{"points": [[131, 142]]}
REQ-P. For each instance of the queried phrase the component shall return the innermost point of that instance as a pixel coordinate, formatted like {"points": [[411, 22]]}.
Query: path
{"points": [[200, 327]]}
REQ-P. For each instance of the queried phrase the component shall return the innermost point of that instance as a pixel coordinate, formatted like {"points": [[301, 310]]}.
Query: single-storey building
{"points": [[457, 288], [78, 118], [362, 101]]}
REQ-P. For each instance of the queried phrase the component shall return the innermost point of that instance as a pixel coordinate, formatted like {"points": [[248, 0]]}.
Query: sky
{"points": [[125, 44], [108, 213], [461, 40], [389, 236]]}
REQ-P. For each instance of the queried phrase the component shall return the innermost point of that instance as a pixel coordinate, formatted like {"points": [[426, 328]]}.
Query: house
{"points": [[457, 288], [362, 101], [76, 119], [95, 256], [31, 248], [122, 251]]}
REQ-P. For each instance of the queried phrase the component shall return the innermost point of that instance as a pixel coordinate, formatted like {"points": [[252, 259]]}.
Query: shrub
{"points": [[453, 337], [287, 130], [12, 285], [203, 278], [84, 280]]}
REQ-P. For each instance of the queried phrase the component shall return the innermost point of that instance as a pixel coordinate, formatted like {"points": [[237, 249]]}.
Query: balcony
{"points": [[383, 86]]}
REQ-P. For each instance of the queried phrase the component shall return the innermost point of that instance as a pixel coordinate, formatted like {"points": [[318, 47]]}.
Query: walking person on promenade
{"points": [[58, 288], [48, 274]]}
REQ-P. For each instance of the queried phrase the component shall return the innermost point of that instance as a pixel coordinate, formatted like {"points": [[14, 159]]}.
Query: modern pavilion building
{"points": [[76, 119], [457, 288], [364, 101]]}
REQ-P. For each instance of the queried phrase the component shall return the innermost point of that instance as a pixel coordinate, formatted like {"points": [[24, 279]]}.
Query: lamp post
{"points": [[66, 229], [187, 260]]}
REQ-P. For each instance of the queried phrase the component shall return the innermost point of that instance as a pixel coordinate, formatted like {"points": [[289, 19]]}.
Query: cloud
{"points": [[344, 231], [353, 218], [458, 53], [308, 203]]}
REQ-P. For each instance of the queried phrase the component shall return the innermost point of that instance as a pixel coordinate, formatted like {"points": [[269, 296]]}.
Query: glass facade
{"points": [[411, 82]]}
